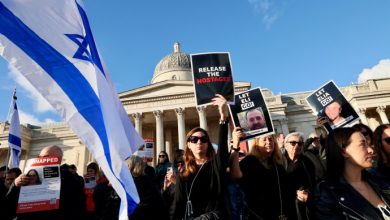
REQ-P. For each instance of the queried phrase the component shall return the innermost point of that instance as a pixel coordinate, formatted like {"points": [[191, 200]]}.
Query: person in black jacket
{"points": [[200, 189], [350, 192], [262, 178], [301, 174], [381, 141], [72, 197], [151, 205]]}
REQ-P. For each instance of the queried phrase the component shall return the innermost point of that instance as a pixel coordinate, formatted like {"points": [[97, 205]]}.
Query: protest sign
{"points": [[43, 191], [89, 181], [329, 103], [212, 74], [146, 152], [251, 113]]}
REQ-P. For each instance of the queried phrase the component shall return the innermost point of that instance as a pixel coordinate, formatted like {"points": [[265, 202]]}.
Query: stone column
{"points": [[202, 117], [168, 144], [363, 116], [181, 128], [138, 122], [284, 125], [159, 131], [382, 114]]}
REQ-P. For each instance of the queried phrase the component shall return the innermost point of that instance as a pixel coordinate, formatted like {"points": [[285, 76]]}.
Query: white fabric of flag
{"points": [[51, 44], [14, 137]]}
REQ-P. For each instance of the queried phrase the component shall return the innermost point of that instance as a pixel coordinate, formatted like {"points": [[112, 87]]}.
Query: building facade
{"points": [[165, 111]]}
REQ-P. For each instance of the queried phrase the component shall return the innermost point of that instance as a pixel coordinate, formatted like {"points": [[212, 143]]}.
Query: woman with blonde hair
{"points": [[200, 187], [151, 204], [262, 178]]}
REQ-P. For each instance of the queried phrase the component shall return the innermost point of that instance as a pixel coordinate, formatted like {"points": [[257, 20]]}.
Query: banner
{"points": [[212, 74], [43, 191], [250, 112], [329, 103]]}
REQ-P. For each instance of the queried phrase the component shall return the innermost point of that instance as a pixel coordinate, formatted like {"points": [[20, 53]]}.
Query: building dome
{"points": [[175, 66]]}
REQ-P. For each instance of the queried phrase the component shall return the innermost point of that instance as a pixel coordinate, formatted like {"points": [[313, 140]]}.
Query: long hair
{"points": [[38, 181], [383, 157], [189, 158], [166, 156], [337, 141], [362, 127], [136, 166], [276, 154]]}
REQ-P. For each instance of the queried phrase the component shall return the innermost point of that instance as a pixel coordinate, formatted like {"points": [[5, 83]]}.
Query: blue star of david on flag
{"points": [[87, 48]]}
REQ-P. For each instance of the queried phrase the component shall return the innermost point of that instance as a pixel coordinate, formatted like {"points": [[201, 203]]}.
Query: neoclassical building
{"points": [[165, 111]]}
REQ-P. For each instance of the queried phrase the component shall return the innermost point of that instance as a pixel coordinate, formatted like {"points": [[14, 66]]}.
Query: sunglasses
{"points": [[294, 143], [161, 156], [387, 140], [194, 139]]}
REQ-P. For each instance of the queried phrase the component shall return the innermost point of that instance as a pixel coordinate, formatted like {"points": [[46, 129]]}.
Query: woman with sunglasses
{"points": [[382, 146], [200, 187], [349, 191], [262, 178], [161, 168]]}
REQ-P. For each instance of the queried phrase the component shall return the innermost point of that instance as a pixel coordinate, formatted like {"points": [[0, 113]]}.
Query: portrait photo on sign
{"points": [[252, 119], [251, 113], [329, 104]]}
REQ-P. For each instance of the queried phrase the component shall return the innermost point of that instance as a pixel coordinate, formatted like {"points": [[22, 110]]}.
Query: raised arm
{"points": [[223, 153], [235, 171]]}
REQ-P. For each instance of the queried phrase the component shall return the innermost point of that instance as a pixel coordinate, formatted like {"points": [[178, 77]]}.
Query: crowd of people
{"points": [[341, 175]]}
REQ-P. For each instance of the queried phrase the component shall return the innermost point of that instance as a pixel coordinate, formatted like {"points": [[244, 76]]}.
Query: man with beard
{"points": [[255, 119]]}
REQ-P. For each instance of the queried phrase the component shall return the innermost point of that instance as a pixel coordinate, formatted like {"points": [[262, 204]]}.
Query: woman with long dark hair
{"points": [[381, 143], [200, 186], [350, 192]]}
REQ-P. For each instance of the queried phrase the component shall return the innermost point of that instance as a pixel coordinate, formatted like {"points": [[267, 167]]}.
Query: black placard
{"points": [[212, 74]]}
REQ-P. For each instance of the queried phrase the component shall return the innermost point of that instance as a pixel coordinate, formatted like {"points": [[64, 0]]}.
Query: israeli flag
{"points": [[51, 44], [14, 137]]}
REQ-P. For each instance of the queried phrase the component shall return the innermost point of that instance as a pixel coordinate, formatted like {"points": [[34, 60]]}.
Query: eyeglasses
{"points": [[294, 143], [161, 156], [194, 139], [387, 140]]}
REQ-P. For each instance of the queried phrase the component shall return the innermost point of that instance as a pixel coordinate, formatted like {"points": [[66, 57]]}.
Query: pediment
{"points": [[169, 88], [160, 89]]}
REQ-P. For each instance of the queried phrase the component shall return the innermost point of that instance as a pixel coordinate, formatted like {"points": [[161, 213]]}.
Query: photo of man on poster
{"points": [[333, 113], [255, 119]]}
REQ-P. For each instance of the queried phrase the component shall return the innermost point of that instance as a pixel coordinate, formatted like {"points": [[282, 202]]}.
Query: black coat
{"points": [[336, 199], [151, 204], [72, 200], [209, 189], [265, 189]]}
